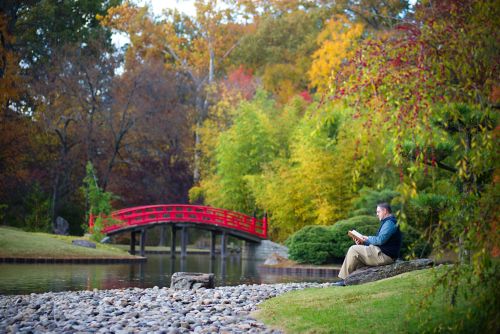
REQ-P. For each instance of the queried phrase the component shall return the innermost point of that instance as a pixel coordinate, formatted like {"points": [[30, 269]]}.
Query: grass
{"points": [[15, 243], [386, 306]]}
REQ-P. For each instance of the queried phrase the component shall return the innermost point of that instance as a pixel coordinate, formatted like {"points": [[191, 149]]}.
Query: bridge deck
{"points": [[236, 223]]}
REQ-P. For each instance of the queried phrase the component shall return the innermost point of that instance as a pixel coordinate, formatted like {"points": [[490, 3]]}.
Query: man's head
{"points": [[383, 210]]}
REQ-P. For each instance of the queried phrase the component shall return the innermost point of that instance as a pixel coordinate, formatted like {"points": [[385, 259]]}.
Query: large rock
{"points": [[192, 281], [83, 243], [370, 274], [274, 259], [61, 226]]}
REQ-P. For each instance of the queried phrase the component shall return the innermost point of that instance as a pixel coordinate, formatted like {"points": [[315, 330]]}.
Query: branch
{"points": [[183, 63], [442, 166]]}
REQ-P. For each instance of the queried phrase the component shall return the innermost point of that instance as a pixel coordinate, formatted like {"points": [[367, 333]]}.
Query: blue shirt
{"points": [[387, 229]]}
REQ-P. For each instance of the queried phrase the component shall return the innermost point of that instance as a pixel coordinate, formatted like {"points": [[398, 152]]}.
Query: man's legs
{"points": [[360, 256]]}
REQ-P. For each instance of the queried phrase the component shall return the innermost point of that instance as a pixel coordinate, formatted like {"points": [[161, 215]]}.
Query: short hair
{"points": [[385, 205]]}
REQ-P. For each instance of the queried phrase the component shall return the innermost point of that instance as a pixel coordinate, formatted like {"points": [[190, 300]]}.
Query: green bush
{"points": [[367, 225], [311, 244], [320, 244], [414, 244]]}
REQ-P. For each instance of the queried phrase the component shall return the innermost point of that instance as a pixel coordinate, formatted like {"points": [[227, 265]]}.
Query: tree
{"points": [[428, 86], [281, 44], [196, 47], [337, 41], [241, 152]]}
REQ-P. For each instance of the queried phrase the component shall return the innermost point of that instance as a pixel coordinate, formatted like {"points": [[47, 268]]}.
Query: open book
{"points": [[355, 235]]}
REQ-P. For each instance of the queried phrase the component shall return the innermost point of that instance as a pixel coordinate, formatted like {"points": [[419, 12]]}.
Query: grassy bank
{"points": [[386, 306], [16, 243]]}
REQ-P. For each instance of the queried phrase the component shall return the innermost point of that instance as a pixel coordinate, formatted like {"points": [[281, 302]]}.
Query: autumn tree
{"points": [[151, 133], [194, 47], [280, 46], [337, 44], [431, 84]]}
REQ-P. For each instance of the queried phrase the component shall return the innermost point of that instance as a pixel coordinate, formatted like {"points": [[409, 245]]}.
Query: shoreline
{"points": [[134, 310], [82, 260]]}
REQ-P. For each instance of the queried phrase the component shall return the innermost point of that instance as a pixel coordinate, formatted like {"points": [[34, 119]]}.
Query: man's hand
{"points": [[360, 241]]}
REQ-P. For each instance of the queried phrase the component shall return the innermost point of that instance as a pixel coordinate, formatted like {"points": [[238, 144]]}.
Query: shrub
{"points": [[367, 225], [414, 244], [311, 244]]}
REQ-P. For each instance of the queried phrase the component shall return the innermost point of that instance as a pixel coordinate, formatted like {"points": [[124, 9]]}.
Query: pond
{"points": [[29, 278]]}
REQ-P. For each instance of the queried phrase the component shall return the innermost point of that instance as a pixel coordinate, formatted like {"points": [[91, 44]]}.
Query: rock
{"points": [[83, 243], [61, 226], [192, 281], [106, 240], [371, 274], [274, 259]]}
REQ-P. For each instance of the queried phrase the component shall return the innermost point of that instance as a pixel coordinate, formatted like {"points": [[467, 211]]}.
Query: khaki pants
{"points": [[361, 256]]}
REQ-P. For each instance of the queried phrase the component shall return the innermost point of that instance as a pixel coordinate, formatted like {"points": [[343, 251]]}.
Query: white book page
{"points": [[357, 234]]}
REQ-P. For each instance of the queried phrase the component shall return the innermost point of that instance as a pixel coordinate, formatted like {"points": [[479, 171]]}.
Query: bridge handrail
{"points": [[147, 214]]}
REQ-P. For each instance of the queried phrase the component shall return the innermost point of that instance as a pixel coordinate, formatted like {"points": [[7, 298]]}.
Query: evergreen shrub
{"points": [[311, 244]]}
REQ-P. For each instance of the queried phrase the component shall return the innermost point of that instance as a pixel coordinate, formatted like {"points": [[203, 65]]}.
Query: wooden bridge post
{"points": [[143, 242], [223, 242], [132, 243], [212, 244], [172, 242], [184, 240]]}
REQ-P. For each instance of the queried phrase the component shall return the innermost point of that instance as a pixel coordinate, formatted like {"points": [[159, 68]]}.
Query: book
{"points": [[355, 234]]}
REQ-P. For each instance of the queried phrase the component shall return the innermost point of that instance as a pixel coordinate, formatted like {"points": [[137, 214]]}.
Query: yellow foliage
{"points": [[337, 42], [283, 80]]}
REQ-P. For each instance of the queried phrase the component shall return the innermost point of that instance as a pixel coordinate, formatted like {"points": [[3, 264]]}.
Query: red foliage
{"points": [[242, 81], [306, 96]]}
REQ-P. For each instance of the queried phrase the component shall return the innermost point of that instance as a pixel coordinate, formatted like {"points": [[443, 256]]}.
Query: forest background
{"points": [[310, 111]]}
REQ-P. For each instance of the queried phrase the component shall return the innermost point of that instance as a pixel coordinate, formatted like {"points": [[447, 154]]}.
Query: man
{"points": [[374, 250]]}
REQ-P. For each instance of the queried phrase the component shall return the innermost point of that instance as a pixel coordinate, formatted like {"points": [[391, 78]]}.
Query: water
{"points": [[29, 278]]}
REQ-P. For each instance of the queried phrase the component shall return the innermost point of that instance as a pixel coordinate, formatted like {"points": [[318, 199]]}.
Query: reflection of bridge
{"points": [[218, 221]]}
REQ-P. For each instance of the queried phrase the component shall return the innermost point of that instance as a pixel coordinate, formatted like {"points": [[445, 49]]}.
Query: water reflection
{"points": [[28, 278]]}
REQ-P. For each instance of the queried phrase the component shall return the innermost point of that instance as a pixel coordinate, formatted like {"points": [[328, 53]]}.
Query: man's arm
{"points": [[385, 233]]}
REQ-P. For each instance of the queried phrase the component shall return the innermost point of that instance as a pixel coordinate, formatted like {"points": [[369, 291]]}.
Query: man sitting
{"points": [[374, 250]]}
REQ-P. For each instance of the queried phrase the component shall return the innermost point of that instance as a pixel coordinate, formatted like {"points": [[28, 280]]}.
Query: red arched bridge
{"points": [[219, 221]]}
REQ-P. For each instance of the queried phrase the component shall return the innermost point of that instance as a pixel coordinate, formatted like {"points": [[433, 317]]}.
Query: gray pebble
{"points": [[134, 310]]}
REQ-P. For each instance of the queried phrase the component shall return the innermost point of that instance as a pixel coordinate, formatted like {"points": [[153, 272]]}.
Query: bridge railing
{"points": [[198, 214]]}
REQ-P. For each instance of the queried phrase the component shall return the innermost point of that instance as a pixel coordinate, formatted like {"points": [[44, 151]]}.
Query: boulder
{"points": [[370, 274], [61, 226], [83, 243], [274, 259], [192, 281]]}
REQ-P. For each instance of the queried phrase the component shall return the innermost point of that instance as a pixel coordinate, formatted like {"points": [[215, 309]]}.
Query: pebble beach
{"points": [[134, 310]]}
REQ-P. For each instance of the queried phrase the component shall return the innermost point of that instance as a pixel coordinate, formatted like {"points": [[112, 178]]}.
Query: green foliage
{"points": [[37, 205], [99, 201], [415, 244], [367, 225], [311, 244], [241, 152], [368, 199], [44, 25]]}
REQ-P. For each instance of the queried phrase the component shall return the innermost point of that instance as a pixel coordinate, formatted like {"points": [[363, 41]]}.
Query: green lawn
{"points": [[386, 306], [17, 243]]}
